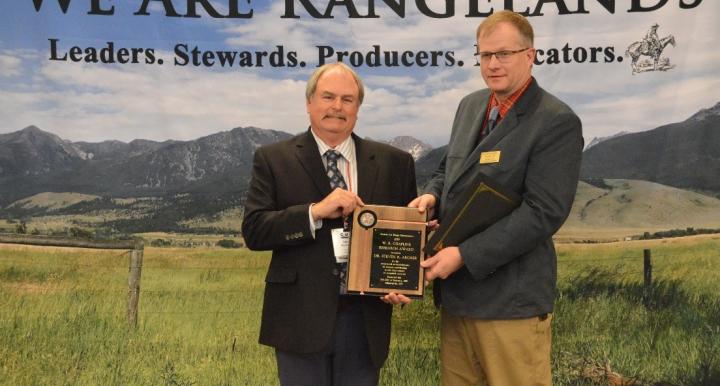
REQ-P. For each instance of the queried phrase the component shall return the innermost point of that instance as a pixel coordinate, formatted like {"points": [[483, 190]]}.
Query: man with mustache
{"points": [[300, 197], [497, 288]]}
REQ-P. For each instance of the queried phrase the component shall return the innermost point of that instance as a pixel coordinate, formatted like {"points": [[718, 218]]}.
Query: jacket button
{"points": [[335, 272]]}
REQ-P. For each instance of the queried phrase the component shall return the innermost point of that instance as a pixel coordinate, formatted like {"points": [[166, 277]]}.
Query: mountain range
{"points": [[595, 140], [34, 161], [412, 145], [683, 155], [171, 182]]}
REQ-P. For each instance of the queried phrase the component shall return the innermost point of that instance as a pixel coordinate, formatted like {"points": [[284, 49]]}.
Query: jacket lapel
{"points": [[510, 122], [471, 141], [468, 146], [308, 155], [513, 117], [366, 169]]}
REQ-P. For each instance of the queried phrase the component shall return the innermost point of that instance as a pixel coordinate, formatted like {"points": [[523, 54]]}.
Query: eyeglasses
{"points": [[501, 56]]}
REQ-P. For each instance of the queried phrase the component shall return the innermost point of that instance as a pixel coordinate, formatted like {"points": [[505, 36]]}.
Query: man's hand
{"points": [[443, 264], [426, 202], [395, 299], [339, 202]]}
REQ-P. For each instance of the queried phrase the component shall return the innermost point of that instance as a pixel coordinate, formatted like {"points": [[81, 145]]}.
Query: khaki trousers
{"points": [[495, 352]]}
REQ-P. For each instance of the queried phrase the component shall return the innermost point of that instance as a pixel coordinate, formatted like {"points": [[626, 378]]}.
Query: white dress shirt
{"points": [[347, 164]]}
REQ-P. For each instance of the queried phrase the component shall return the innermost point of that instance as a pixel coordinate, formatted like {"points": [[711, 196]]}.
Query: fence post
{"points": [[136, 259], [647, 275]]}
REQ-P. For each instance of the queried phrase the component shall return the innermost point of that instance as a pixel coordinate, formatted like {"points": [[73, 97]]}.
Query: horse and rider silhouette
{"points": [[650, 46]]}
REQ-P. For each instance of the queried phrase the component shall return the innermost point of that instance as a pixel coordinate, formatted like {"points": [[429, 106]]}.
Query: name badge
{"points": [[341, 244], [490, 157]]}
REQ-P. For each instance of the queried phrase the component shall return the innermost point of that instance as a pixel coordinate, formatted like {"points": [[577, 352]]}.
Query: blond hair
{"points": [[513, 18]]}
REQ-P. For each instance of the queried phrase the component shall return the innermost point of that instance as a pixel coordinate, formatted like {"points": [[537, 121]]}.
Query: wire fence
{"points": [[220, 299], [637, 267]]}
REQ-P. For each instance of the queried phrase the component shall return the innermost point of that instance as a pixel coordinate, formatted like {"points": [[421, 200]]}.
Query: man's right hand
{"points": [[426, 202], [339, 202]]}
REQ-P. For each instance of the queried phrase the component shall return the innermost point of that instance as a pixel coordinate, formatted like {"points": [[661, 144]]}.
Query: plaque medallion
{"points": [[367, 219]]}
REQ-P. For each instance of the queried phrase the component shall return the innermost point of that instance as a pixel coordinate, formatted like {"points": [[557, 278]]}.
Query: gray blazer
{"points": [[510, 268]]}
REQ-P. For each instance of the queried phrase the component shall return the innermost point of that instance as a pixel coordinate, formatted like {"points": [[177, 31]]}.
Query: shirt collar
{"points": [[506, 105], [346, 147]]}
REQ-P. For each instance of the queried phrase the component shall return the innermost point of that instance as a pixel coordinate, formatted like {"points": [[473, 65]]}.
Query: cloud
{"points": [[90, 102], [93, 103], [659, 106], [610, 99], [98, 102], [9, 65]]}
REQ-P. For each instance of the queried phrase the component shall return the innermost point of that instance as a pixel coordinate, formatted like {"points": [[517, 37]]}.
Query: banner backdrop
{"points": [[99, 70]]}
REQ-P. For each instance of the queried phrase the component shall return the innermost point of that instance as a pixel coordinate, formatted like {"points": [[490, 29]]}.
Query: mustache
{"points": [[338, 116]]}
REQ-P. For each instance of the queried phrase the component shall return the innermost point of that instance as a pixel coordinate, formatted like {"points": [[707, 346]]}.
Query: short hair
{"points": [[312, 82], [513, 18]]}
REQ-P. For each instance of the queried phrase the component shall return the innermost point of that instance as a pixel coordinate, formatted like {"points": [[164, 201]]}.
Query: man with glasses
{"points": [[496, 289]]}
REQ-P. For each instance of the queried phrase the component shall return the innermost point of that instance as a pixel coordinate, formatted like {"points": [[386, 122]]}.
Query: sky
{"points": [[96, 102]]}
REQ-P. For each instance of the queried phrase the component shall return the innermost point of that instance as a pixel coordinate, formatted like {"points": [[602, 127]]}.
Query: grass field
{"points": [[62, 317]]}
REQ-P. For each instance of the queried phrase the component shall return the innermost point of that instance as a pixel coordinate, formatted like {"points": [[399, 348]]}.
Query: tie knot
{"points": [[494, 113], [492, 120], [332, 155]]}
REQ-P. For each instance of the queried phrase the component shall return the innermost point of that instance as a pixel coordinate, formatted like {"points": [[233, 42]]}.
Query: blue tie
{"points": [[492, 119], [337, 181], [333, 173]]}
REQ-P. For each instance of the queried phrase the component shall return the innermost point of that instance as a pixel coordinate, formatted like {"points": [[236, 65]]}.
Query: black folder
{"points": [[479, 207]]}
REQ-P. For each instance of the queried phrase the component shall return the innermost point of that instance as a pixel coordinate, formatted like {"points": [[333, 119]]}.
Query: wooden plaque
{"points": [[386, 248]]}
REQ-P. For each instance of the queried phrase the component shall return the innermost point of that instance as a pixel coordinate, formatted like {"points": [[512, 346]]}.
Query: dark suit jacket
{"points": [[510, 268], [301, 291]]}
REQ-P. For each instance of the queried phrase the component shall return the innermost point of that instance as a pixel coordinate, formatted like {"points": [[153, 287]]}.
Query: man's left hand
{"points": [[443, 264]]}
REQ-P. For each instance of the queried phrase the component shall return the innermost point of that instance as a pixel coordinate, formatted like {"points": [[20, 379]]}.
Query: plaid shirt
{"points": [[506, 105]]}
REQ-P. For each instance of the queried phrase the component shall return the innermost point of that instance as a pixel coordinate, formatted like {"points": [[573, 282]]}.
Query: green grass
{"points": [[62, 317], [670, 333], [51, 200]]}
